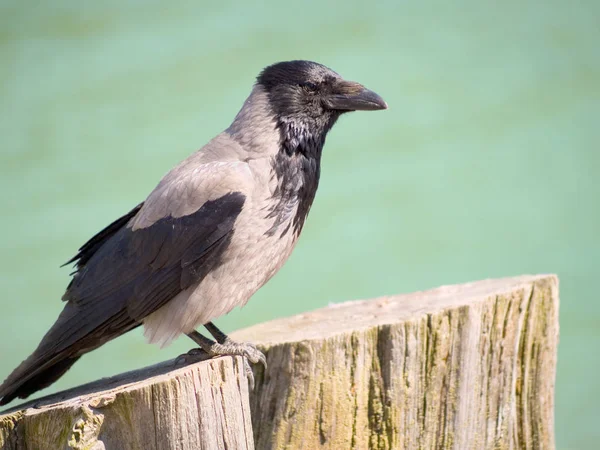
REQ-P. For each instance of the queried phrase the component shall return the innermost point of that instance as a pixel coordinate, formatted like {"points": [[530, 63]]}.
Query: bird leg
{"points": [[226, 346]]}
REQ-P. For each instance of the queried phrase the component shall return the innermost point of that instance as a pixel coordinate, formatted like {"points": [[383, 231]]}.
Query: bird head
{"points": [[306, 89], [307, 97]]}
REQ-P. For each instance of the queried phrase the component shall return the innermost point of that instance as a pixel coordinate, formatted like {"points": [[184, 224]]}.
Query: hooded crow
{"points": [[215, 229]]}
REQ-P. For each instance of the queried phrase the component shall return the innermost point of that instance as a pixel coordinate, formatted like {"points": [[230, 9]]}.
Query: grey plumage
{"points": [[216, 228]]}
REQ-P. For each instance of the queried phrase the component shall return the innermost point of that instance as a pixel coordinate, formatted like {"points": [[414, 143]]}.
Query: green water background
{"points": [[484, 166]]}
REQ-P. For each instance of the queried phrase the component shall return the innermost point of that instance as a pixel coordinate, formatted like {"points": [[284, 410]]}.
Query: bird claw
{"points": [[249, 373], [253, 354], [192, 356], [248, 351], [223, 347]]}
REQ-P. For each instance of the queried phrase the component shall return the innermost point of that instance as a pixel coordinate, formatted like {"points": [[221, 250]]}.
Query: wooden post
{"points": [[460, 367], [200, 406]]}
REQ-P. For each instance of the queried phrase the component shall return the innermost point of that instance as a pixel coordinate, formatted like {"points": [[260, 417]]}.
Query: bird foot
{"points": [[248, 351], [193, 356], [226, 347]]}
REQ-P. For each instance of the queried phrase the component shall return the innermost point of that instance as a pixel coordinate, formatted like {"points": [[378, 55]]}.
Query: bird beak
{"points": [[351, 96]]}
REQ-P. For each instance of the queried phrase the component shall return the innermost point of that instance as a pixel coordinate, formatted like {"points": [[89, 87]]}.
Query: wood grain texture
{"points": [[200, 406], [459, 367]]}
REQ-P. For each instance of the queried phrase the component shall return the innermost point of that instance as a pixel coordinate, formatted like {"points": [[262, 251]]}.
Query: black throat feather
{"points": [[297, 167]]}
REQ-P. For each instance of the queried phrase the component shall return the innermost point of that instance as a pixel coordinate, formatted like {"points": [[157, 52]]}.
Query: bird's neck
{"points": [[294, 147], [255, 126]]}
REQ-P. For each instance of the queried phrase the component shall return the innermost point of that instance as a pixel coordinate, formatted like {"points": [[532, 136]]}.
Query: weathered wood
{"points": [[200, 406], [459, 367]]}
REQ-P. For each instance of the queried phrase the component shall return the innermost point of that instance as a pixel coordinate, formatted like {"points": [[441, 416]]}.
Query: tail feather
{"points": [[84, 324], [24, 387], [74, 334]]}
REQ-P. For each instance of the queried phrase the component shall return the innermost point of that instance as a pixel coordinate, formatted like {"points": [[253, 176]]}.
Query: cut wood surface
{"points": [[200, 406], [459, 367]]}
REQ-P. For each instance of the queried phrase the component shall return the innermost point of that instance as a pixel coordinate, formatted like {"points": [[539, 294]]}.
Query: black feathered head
{"points": [[309, 88], [308, 98]]}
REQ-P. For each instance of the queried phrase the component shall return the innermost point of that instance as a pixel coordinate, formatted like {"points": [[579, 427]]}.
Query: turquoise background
{"points": [[484, 166]]}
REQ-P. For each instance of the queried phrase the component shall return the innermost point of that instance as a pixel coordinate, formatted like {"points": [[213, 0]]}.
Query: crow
{"points": [[215, 229]]}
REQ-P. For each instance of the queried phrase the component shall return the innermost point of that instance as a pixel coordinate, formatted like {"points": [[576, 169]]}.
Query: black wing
{"points": [[124, 275], [90, 247], [143, 269]]}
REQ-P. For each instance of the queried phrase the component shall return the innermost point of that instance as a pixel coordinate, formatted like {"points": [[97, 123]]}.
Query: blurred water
{"points": [[485, 165]]}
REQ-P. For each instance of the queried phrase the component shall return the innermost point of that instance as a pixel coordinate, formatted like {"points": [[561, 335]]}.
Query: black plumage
{"points": [[124, 275]]}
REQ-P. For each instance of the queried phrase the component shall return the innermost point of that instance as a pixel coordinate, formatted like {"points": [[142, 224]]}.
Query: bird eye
{"points": [[309, 87]]}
